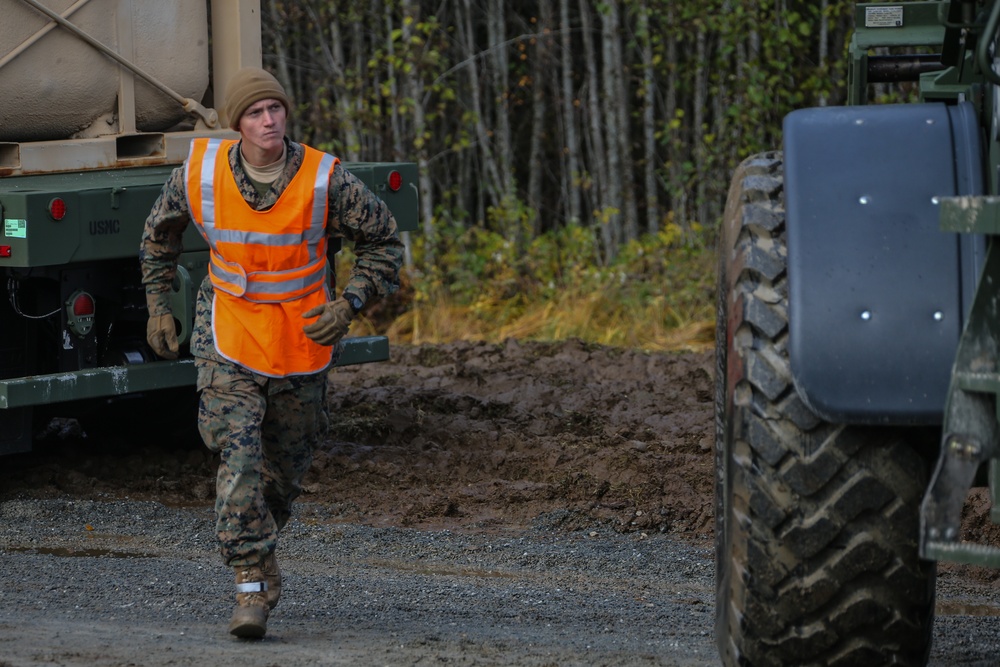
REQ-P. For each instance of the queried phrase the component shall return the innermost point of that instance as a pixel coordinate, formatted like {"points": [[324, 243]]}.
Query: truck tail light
{"points": [[395, 180], [83, 305], [4, 251], [80, 309], [57, 209]]}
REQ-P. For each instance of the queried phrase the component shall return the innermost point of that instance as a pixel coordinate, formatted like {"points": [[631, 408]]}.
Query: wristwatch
{"points": [[355, 303]]}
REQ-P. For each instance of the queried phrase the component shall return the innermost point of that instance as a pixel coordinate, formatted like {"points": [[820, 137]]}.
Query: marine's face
{"points": [[263, 128]]}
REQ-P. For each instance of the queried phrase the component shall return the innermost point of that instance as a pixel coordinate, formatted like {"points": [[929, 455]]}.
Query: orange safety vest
{"points": [[268, 267]]}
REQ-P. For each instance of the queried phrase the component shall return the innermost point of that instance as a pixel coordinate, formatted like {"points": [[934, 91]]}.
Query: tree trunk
{"points": [[499, 73], [491, 177], [540, 66], [623, 97], [676, 145], [598, 153], [610, 106], [650, 161], [701, 101], [571, 143]]}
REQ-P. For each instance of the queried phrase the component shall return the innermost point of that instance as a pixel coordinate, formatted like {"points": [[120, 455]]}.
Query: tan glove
{"points": [[161, 334], [334, 321]]}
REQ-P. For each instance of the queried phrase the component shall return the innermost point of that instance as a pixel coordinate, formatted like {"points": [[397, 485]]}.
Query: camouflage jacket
{"points": [[354, 214]]}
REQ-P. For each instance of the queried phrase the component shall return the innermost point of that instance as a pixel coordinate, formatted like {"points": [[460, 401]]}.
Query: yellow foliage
{"points": [[592, 318]]}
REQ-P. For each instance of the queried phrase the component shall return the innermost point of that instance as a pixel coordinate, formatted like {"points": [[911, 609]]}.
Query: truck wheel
{"points": [[816, 523]]}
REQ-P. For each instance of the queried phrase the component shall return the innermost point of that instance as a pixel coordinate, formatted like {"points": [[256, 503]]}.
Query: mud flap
{"points": [[877, 292]]}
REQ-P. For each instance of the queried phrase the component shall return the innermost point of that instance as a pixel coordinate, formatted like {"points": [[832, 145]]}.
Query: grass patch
{"points": [[658, 295]]}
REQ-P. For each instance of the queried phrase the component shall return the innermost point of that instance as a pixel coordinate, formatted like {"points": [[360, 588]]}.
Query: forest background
{"points": [[573, 155]]}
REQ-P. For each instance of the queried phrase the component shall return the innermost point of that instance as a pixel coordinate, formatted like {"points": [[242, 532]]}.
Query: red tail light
{"points": [[83, 305], [4, 251], [57, 209], [80, 309], [395, 180]]}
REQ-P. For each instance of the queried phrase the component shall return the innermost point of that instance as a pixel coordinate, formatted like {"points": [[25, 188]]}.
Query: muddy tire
{"points": [[816, 523]]}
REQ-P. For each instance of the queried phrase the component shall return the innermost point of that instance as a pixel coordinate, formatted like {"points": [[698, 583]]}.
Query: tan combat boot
{"points": [[272, 575], [249, 619]]}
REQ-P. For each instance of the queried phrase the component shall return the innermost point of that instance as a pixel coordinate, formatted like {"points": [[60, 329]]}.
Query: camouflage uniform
{"points": [[265, 429]]}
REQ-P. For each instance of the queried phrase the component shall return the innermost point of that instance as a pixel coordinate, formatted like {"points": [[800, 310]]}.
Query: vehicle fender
{"points": [[877, 293]]}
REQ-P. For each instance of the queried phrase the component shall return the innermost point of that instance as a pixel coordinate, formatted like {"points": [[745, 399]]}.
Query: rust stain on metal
{"points": [[99, 164]]}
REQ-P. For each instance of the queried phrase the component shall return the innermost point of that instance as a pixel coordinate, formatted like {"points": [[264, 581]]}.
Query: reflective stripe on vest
{"points": [[207, 170]]}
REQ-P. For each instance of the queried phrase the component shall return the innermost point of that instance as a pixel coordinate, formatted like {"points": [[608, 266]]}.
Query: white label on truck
{"points": [[15, 229], [884, 17]]}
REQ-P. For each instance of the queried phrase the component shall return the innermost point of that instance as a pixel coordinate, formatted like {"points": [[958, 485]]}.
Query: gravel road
{"points": [[136, 583]]}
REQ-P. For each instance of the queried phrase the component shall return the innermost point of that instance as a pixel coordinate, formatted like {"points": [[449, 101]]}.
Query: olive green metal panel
{"points": [[919, 24], [404, 202], [106, 211], [105, 214], [363, 350], [95, 383], [120, 380]]}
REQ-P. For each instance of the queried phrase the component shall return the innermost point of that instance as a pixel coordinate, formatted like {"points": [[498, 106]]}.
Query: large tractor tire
{"points": [[816, 523]]}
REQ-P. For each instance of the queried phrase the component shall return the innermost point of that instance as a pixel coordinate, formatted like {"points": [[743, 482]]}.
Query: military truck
{"points": [[100, 102], [857, 348]]}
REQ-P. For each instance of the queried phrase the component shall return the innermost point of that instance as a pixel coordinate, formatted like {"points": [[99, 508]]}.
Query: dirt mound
{"points": [[509, 433], [462, 434]]}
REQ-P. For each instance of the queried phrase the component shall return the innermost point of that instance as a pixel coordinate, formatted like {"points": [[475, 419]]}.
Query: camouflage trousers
{"points": [[265, 430]]}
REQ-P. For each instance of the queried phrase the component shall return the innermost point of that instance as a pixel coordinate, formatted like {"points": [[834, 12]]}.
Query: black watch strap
{"points": [[356, 303]]}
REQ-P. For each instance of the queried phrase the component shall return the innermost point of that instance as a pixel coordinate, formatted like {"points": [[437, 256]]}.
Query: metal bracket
{"points": [[971, 428], [941, 513]]}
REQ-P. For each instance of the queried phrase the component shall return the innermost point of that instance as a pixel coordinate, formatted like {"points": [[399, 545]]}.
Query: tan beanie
{"points": [[249, 85]]}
